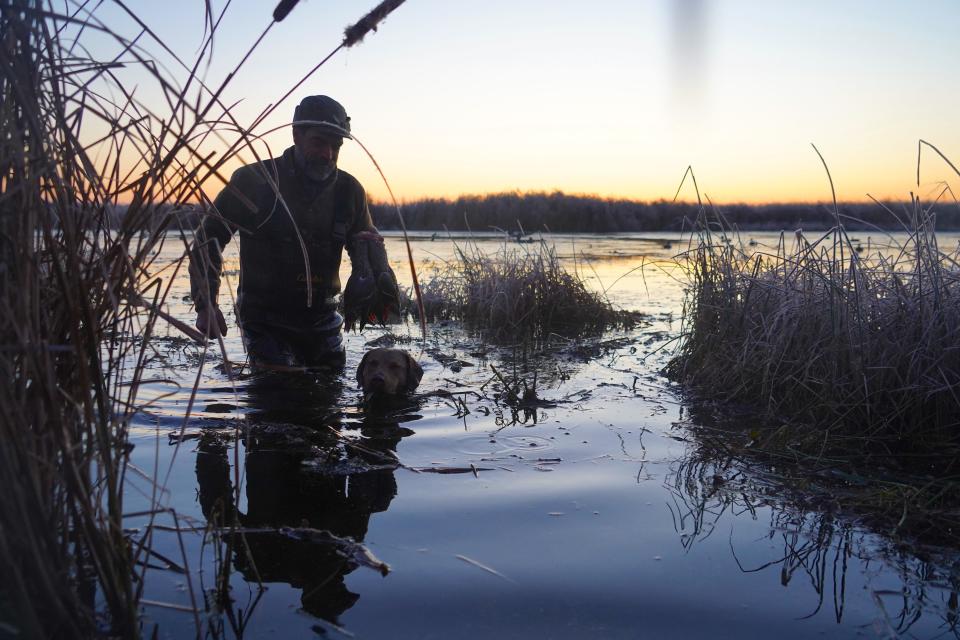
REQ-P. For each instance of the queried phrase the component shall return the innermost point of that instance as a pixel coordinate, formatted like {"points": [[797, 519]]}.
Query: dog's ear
{"points": [[414, 373], [363, 363]]}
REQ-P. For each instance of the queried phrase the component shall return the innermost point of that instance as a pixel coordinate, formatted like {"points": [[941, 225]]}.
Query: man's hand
{"points": [[211, 323]]}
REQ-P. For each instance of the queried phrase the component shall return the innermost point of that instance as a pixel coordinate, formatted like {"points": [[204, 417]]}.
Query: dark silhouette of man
{"points": [[292, 212]]}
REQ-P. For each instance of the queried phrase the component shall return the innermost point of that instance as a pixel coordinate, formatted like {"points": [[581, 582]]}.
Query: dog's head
{"points": [[388, 372]]}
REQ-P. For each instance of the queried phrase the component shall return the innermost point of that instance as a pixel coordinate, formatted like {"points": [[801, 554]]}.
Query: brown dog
{"points": [[388, 372]]}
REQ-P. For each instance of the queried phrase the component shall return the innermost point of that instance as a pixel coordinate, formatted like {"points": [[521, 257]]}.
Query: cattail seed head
{"points": [[283, 9], [354, 34]]}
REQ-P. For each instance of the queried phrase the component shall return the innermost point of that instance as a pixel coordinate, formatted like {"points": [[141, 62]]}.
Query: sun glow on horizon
{"points": [[615, 99]]}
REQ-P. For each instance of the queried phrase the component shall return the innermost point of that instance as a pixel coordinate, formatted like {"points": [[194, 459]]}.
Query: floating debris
{"points": [[480, 565], [445, 470]]}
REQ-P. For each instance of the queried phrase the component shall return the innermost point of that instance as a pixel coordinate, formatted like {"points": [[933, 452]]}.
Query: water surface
{"points": [[593, 515]]}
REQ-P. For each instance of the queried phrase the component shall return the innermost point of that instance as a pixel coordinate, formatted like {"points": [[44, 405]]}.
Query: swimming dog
{"points": [[388, 372]]}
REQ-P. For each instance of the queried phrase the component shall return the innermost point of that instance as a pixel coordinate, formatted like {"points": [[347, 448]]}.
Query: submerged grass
{"points": [[859, 353], [520, 293]]}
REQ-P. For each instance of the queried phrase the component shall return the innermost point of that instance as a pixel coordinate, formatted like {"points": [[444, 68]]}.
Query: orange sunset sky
{"points": [[612, 98]]}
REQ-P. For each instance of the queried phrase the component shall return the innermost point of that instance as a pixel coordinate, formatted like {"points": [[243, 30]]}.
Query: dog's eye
{"points": [[394, 365]]}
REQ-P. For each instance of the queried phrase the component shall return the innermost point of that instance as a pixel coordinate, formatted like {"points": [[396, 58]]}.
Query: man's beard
{"points": [[316, 171]]}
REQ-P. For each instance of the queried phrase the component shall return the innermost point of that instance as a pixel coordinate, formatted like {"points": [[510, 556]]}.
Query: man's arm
{"points": [[372, 286], [363, 221], [360, 229], [206, 263], [235, 208]]}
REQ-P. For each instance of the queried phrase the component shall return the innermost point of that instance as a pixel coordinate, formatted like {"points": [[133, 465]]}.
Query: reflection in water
{"points": [[306, 474], [819, 546]]}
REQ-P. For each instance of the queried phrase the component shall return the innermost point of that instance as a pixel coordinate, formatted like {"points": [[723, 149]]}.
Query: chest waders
{"points": [[278, 328]]}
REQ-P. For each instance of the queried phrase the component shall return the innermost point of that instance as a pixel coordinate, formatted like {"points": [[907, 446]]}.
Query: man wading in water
{"points": [[329, 207]]}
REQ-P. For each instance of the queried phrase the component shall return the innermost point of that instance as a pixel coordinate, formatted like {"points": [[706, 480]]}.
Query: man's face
{"points": [[318, 149]]}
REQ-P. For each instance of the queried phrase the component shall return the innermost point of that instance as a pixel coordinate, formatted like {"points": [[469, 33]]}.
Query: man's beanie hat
{"points": [[323, 109]]}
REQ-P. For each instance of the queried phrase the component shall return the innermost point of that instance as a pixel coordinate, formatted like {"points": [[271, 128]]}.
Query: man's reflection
{"points": [[304, 468]]}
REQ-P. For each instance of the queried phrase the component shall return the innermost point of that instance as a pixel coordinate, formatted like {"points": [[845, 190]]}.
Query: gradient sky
{"points": [[613, 98]]}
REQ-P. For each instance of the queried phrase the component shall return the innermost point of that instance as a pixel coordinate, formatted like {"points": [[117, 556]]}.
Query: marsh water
{"points": [[593, 512]]}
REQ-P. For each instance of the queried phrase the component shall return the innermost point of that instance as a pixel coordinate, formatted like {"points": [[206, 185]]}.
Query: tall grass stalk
{"points": [[859, 352], [80, 298]]}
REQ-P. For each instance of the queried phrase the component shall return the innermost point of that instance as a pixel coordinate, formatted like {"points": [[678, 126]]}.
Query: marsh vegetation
{"points": [[850, 353], [521, 293], [862, 345], [153, 485]]}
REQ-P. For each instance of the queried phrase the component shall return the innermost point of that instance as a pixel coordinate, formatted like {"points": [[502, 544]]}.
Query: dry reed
{"points": [[859, 353], [520, 293], [80, 300]]}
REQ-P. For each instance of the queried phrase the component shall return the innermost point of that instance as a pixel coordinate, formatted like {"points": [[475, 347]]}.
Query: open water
{"points": [[593, 515]]}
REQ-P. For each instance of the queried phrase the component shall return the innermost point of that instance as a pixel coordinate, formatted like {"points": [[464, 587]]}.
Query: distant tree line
{"points": [[562, 213]]}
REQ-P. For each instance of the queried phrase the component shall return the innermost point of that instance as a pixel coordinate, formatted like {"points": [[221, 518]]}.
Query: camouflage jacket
{"points": [[273, 278]]}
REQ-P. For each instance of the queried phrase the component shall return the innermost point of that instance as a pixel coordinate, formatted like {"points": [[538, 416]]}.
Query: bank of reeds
{"points": [[520, 293], [80, 298], [68, 291], [857, 351]]}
